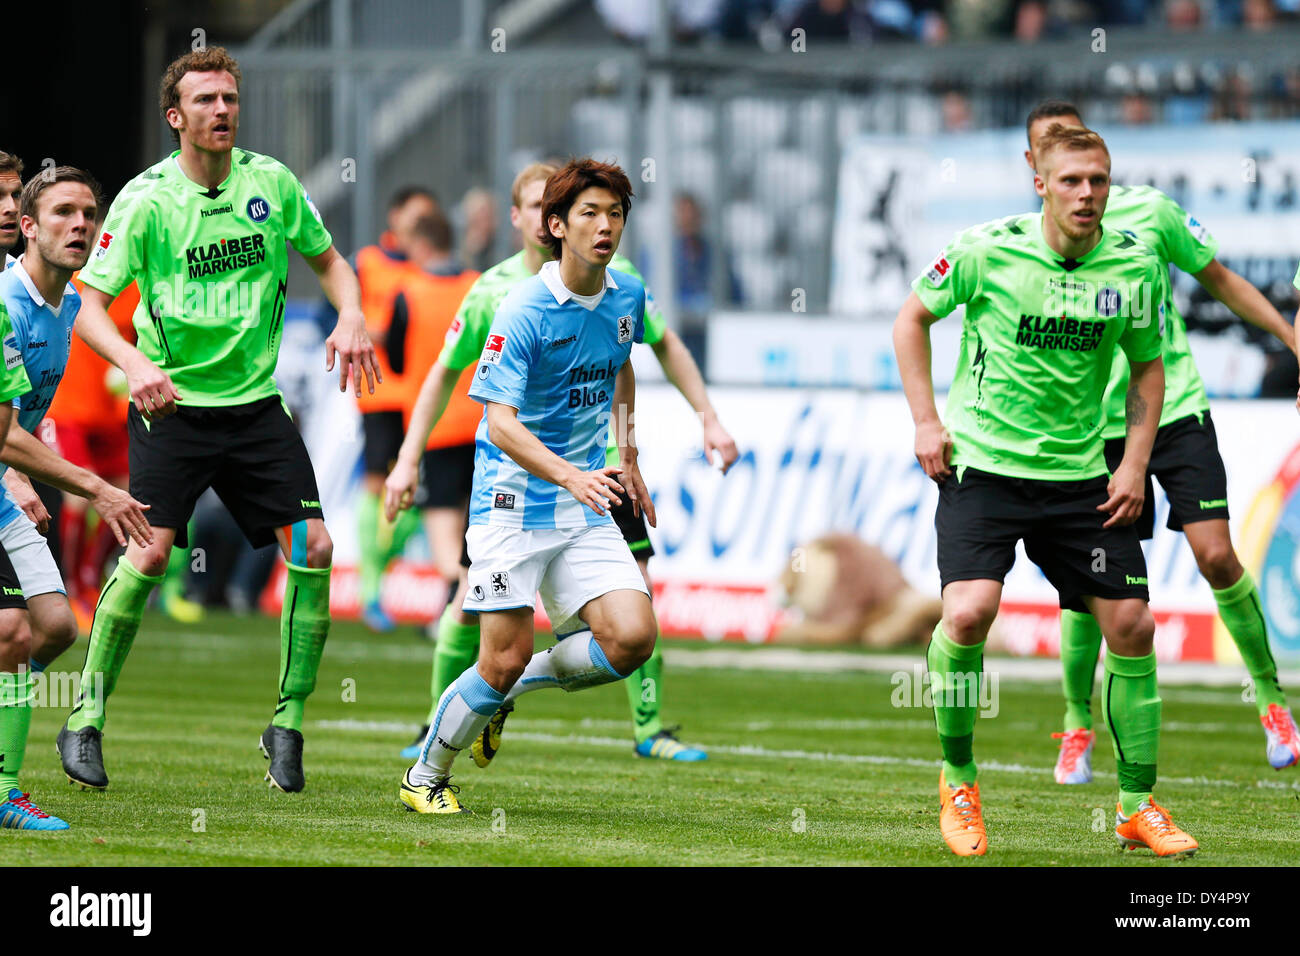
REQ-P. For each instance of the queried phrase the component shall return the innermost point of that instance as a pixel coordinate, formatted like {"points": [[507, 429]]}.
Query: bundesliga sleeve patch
{"points": [[492, 351], [1198, 231], [939, 271], [453, 333], [105, 241]]}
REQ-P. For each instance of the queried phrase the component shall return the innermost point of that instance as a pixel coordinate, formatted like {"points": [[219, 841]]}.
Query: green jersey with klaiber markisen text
{"points": [[1176, 237], [469, 331], [1038, 338], [212, 267]]}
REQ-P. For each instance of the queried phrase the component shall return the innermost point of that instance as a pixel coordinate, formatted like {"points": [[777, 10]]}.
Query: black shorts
{"points": [[383, 440], [446, 477], [1185, 460], [981, 517], [11, 589], [634, 529], [251, 455]]}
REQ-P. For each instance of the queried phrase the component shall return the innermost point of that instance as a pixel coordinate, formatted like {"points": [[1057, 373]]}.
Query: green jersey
{"points": [[469, 331], [1038, 338], [13, 376], [1173, 235], [212, 268]]}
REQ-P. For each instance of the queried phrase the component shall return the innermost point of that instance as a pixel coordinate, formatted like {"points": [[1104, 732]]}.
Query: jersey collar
{"points": [[207, 193], [551, 276], [34, 292], [1069, 265]]}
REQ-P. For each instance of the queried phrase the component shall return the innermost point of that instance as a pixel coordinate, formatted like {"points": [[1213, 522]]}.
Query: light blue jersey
{"points": [[554, 356], [44, 336]]}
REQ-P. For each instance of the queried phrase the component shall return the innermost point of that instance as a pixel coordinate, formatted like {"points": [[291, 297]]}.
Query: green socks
{"points": [[304, 625], [371, 562], [380, 543], [117, 618], [15, 719], [1131, 703], [455, 653], [955, 673], [1243, 616], [644, 687], [1080, 645]]}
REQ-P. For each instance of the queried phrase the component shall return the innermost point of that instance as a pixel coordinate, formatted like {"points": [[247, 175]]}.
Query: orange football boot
{"points": [[1151, 827], [960, 818]]}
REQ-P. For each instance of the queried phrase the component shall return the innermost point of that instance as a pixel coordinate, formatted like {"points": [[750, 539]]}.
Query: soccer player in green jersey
{"points": [[204, 234], [1049, 299], [1186, 461], [458, 632]]}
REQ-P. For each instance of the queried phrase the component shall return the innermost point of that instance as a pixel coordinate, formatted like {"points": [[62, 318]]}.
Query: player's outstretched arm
{"points": [[595, 489], [681, 370], [435, 393], [1245, 301], [349, 341], [624, 411], [152, 391], [125, 515], [1127, 487], [912, 351]]}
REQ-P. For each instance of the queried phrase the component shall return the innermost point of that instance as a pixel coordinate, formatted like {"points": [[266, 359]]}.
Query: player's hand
{"points": [[28, 500], [934, 450], [399, 489], [1127, 490], [636, 489], [123, 514], [596, 489], [152, 391], [356, 353], [717, 438]]}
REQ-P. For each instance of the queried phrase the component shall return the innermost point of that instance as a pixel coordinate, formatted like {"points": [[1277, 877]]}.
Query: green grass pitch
{"points": [[805, 768]]}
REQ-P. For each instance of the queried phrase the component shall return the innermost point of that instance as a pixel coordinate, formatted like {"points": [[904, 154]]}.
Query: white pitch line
{"points": [[792, 754]]}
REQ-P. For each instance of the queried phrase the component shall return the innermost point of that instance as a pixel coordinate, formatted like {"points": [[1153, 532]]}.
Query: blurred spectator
{"points": [[1258, 14], [637, 20], [1135, 110], [1031, 21], [832, 20], [980, 19], [957, 117], [693, 258], [478, 210], [1183, 15], [1232, 101]]}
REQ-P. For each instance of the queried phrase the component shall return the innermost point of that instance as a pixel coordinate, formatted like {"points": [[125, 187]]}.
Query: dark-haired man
{"points": [[1185, 460], [204, 235], [553, 372], [458, 637], [58, 216]]}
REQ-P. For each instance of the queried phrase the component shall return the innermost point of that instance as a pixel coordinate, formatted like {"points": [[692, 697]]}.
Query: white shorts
{"points": [[30, 555], [568, 566]]}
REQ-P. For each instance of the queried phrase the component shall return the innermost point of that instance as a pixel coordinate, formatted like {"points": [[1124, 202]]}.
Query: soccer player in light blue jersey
{"points": [[554, 371], [58, 213]]}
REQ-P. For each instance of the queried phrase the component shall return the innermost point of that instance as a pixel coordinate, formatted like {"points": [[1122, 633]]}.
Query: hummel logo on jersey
{"points": [[938, 273], [1130, 579], [237, 252], [217, 210], [624, 329], [105, 241], [492, 351], [304, 503], [13, 592], [504, 500], [500, 583]]}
